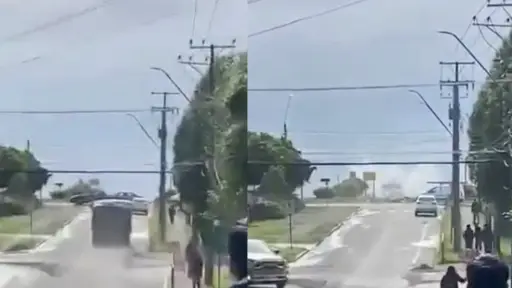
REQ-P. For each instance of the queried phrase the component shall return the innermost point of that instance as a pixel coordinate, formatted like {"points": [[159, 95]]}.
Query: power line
{"points": [[384, 163], [56, 22], [362, 87], [341, 88], [363, 133], [92, 111], [194, 19], [212, 17], [470, 24], [363, 153], [305, 18]]}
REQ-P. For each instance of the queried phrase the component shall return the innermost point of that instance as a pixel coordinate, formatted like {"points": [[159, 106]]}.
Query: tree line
{"points": [[490, 140]]}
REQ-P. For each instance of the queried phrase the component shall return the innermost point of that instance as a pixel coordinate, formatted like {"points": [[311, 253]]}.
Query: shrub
{"points": [[10, 209], [323, 193], [59, 195], [265, 211]]}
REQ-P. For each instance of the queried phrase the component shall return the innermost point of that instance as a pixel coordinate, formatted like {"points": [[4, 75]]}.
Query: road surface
{"points": [[375, 249], [72, 262]]}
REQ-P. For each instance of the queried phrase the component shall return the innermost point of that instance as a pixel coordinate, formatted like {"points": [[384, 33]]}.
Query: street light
{"points": [[144, 130], [172, 81], [469, 52], [431, 110]]}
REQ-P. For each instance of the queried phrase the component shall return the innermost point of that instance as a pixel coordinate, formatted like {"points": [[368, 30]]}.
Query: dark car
{"points": [[111, 223], [82, 199]]}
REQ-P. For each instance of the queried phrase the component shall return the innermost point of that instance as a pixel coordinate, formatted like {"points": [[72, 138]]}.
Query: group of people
{"points": [[476, 238], [479, 239], [485, 271]]}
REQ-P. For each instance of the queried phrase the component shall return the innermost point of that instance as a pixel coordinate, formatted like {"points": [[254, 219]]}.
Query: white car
{"points": [[140, 206], [265, 265], [426, 205]]}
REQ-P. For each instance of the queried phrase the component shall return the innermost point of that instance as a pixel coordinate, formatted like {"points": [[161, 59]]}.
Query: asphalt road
{"points": [[375, 249], [73, 262]]}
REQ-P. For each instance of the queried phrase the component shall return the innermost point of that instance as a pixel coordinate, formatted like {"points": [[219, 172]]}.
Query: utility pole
{"points": [[209, 263], [454, 113], [162, 134], [32, 206]]}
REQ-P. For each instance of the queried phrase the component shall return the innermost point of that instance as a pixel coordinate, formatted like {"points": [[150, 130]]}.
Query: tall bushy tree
{"points": [[488, 130]]}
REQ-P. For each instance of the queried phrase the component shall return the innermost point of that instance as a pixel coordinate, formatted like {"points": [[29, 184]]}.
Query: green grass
{"points": [[14, 225], [445, 253], [308, 226], [224, 278], [155, 244]]}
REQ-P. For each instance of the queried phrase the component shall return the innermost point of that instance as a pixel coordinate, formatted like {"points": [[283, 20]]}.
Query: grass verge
{"points": [[224, 278], [445, 253], [309, 226], [14, 225], [155, 244]]}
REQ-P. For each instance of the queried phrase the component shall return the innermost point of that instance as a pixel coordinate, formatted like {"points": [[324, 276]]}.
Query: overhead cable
{"points": [[305, 18]]}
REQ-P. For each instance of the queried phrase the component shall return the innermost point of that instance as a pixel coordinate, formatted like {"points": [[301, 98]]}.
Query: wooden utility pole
{"points": [[454, 113], [162, 134]]}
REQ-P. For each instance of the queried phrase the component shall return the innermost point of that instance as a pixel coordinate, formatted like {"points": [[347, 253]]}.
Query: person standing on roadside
{"points": [[487, 238], [478, 238], [194, 260], [468, 236], [451, 278], [172, 213], [476, 209]]}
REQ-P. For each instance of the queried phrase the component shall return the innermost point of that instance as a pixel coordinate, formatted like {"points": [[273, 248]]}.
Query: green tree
{"points": [[273, 184], [14, 162], [265, 147], [352, 187], [207, 124], [324, 193], [209, 148], [488, 131]]}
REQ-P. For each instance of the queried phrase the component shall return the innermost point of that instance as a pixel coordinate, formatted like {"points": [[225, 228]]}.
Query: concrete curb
{"points": [[333, 230]]}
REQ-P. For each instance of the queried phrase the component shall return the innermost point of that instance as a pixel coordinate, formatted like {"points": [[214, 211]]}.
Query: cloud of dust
{"points": [[412, 178]]}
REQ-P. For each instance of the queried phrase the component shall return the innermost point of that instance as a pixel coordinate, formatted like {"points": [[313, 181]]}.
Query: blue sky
{"points": [[377, 42], [89, 54]]}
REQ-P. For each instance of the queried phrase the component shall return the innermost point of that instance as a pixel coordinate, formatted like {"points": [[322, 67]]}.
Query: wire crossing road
{"points": [[73, 262]]}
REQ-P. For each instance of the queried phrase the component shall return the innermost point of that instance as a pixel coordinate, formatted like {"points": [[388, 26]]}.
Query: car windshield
{"points": [[426, 200], [256, 246]]}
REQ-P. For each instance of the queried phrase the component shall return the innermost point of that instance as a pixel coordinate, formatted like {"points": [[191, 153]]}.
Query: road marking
{"points": [[424, 231]]}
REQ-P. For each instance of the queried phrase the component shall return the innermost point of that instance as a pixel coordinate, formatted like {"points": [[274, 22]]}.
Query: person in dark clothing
{"points": [[487, 271], [478, 238], [172, 213], [237, 249], [194, 260], [468, 236], [451, 278], [476, 209], [487, 238]]}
